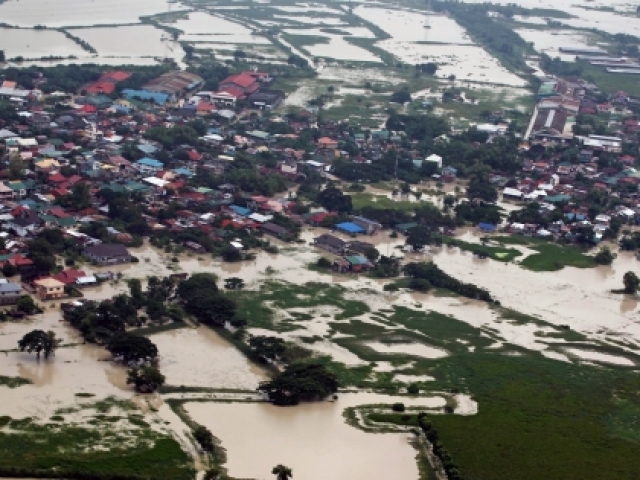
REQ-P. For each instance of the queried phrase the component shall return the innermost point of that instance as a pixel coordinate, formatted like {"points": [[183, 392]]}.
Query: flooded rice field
{"points": [[37, 44], [309, 438], [59, 13]]}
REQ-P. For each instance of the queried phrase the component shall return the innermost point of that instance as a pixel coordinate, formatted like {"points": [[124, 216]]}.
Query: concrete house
{"points": [[10, 293], [49, 288], [106, 254], [330, 243]]}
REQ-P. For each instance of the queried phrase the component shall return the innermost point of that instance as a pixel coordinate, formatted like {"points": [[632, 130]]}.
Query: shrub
{"points": [[398, 407]]}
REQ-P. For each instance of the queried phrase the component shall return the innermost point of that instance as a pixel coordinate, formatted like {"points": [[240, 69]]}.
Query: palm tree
{"points": [[282, 473]]}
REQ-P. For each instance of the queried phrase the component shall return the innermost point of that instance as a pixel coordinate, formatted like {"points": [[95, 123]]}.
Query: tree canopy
{"points": [[132, 348], [39, 341], [300, 382]]}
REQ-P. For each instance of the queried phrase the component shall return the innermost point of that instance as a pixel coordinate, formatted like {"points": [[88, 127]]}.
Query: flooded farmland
{"points": [[310, 437]]}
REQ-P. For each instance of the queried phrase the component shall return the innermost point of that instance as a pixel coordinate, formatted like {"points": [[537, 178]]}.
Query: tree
{"points": [[204, 437], [298, 382], [631, 282], [231, 254], [372, 254], [234, 283], [135, 291], [2, 57], [212, 474], [145, 379], [132, 348], [605, 256], [15, 168], [334, 200], [281, 472], [9, 269], [39, 341], [26, 305], [401, 96], [267, 348], [419, 237], [202, 298]]}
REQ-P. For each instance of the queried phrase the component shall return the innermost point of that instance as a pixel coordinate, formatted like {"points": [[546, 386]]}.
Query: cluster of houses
{"points": [[99, 142], [559, 102]]}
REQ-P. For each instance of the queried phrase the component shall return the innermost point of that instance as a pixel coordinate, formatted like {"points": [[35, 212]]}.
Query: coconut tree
{"points": [[282, 473]]}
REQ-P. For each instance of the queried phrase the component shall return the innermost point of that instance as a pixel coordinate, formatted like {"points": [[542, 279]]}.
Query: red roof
{"points": [[88, 109], [243, 80], [232, 91], [194, 156], [69, 276], [19, 260], [101, 87], [205, 107], [57, 178], [114, 76]]}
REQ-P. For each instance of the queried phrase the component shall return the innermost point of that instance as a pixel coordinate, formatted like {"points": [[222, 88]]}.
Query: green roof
{"points": [[557, 198], [259, 134], [66, 221], [406, 226], [16, 185]]}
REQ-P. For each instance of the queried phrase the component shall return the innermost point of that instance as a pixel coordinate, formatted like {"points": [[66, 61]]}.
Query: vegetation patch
{"points": [[13, 382], [553, 257]]}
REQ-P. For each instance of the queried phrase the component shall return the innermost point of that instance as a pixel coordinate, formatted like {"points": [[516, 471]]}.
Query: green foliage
{"points": [[204, 437], [132, 348], [145, 379], [27, 305], [281, 472], [13, 382], [436, 277], [631, 282], [552, 257], [300, 382], [267, 348], [39, 341], [202, 299], [334, 200], [398, 407], [604, 256]]}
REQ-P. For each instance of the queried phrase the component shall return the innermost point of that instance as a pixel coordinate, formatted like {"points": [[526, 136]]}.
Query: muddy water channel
{"points": [[309, 438]]}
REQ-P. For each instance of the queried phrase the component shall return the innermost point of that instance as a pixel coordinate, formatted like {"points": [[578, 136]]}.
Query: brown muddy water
{"points": [[313, 439]]}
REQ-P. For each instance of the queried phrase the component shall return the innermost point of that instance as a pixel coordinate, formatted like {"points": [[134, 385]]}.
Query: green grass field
{"points": [[552, 257], [96, 450], [496, 253]]}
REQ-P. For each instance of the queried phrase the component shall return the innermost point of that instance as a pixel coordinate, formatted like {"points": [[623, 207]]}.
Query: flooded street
{"points": [[313, 439]]}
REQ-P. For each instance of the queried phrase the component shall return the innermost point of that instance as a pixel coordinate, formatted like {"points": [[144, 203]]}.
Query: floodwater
{"points": [[131, 41], [417, 349], [37, 44], [58, 13], [600, 357], [549, 41], [201, 358], [310, 439], [337, 48]]}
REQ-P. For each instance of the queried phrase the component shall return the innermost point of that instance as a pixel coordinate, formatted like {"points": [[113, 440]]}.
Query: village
{"points": [[368, 249]]}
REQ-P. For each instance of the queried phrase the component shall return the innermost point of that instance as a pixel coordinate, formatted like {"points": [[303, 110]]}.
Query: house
{"points": [[266, 99], [49, 288], [105, 253], [356, 247], [275, 230], [327, 143], [10, 293], [350, 228], [330, 243], [245, 83], [370, 227], [69, 277], [437, 159], [148, 166]]}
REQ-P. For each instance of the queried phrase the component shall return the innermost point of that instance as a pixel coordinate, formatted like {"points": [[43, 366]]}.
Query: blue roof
{"points": [[183, 171], [150, 162], [146, 148], [350, 227], [240, 210], [488, 227], [159, 98]]}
